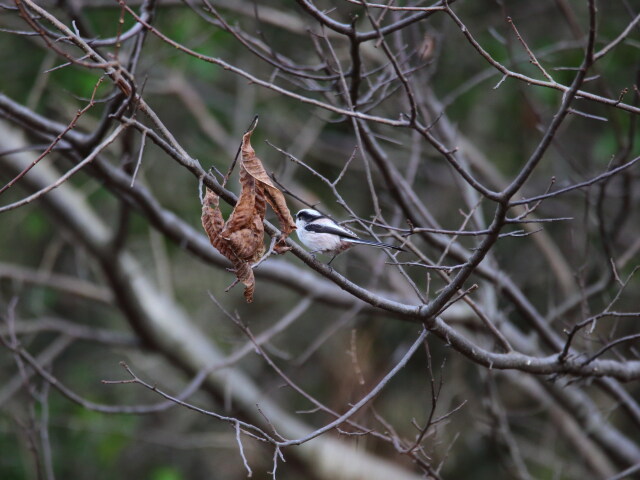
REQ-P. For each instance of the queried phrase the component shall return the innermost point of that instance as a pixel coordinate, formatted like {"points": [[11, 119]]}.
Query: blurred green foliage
{"points": [[503, 120]]}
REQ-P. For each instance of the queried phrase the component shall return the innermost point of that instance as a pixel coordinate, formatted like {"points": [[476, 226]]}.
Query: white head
{"points": [[307, 215]]}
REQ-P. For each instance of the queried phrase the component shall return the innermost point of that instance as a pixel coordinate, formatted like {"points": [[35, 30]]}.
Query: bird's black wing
{"points": [[333, 230]]}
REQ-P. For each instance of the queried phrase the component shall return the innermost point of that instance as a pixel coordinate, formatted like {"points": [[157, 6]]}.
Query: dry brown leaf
{"points": [[213, 224], [253, 166], [241, 238], [244, 229]]}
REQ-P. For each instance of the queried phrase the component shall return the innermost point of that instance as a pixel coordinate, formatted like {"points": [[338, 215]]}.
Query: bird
{"points": [[322, 235]]}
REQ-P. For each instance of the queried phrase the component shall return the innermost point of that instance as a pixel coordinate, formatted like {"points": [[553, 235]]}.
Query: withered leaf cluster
{"points": [[241, 238]]}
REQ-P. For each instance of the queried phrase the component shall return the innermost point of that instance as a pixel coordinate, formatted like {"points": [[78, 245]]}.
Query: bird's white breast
{"points": [[321, 242]]}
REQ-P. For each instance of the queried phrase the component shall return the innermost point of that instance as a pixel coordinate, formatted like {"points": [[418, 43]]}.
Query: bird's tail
{"points": [[373, 243]]}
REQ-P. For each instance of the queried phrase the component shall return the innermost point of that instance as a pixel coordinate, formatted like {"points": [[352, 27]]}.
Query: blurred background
{"points": [[113, 265]]}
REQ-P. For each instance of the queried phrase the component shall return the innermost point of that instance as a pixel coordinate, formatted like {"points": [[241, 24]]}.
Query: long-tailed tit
{"points": [[322, 235]]}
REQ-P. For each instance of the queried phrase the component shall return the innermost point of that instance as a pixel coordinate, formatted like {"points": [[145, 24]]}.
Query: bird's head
{"points": [[307, 215]]}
